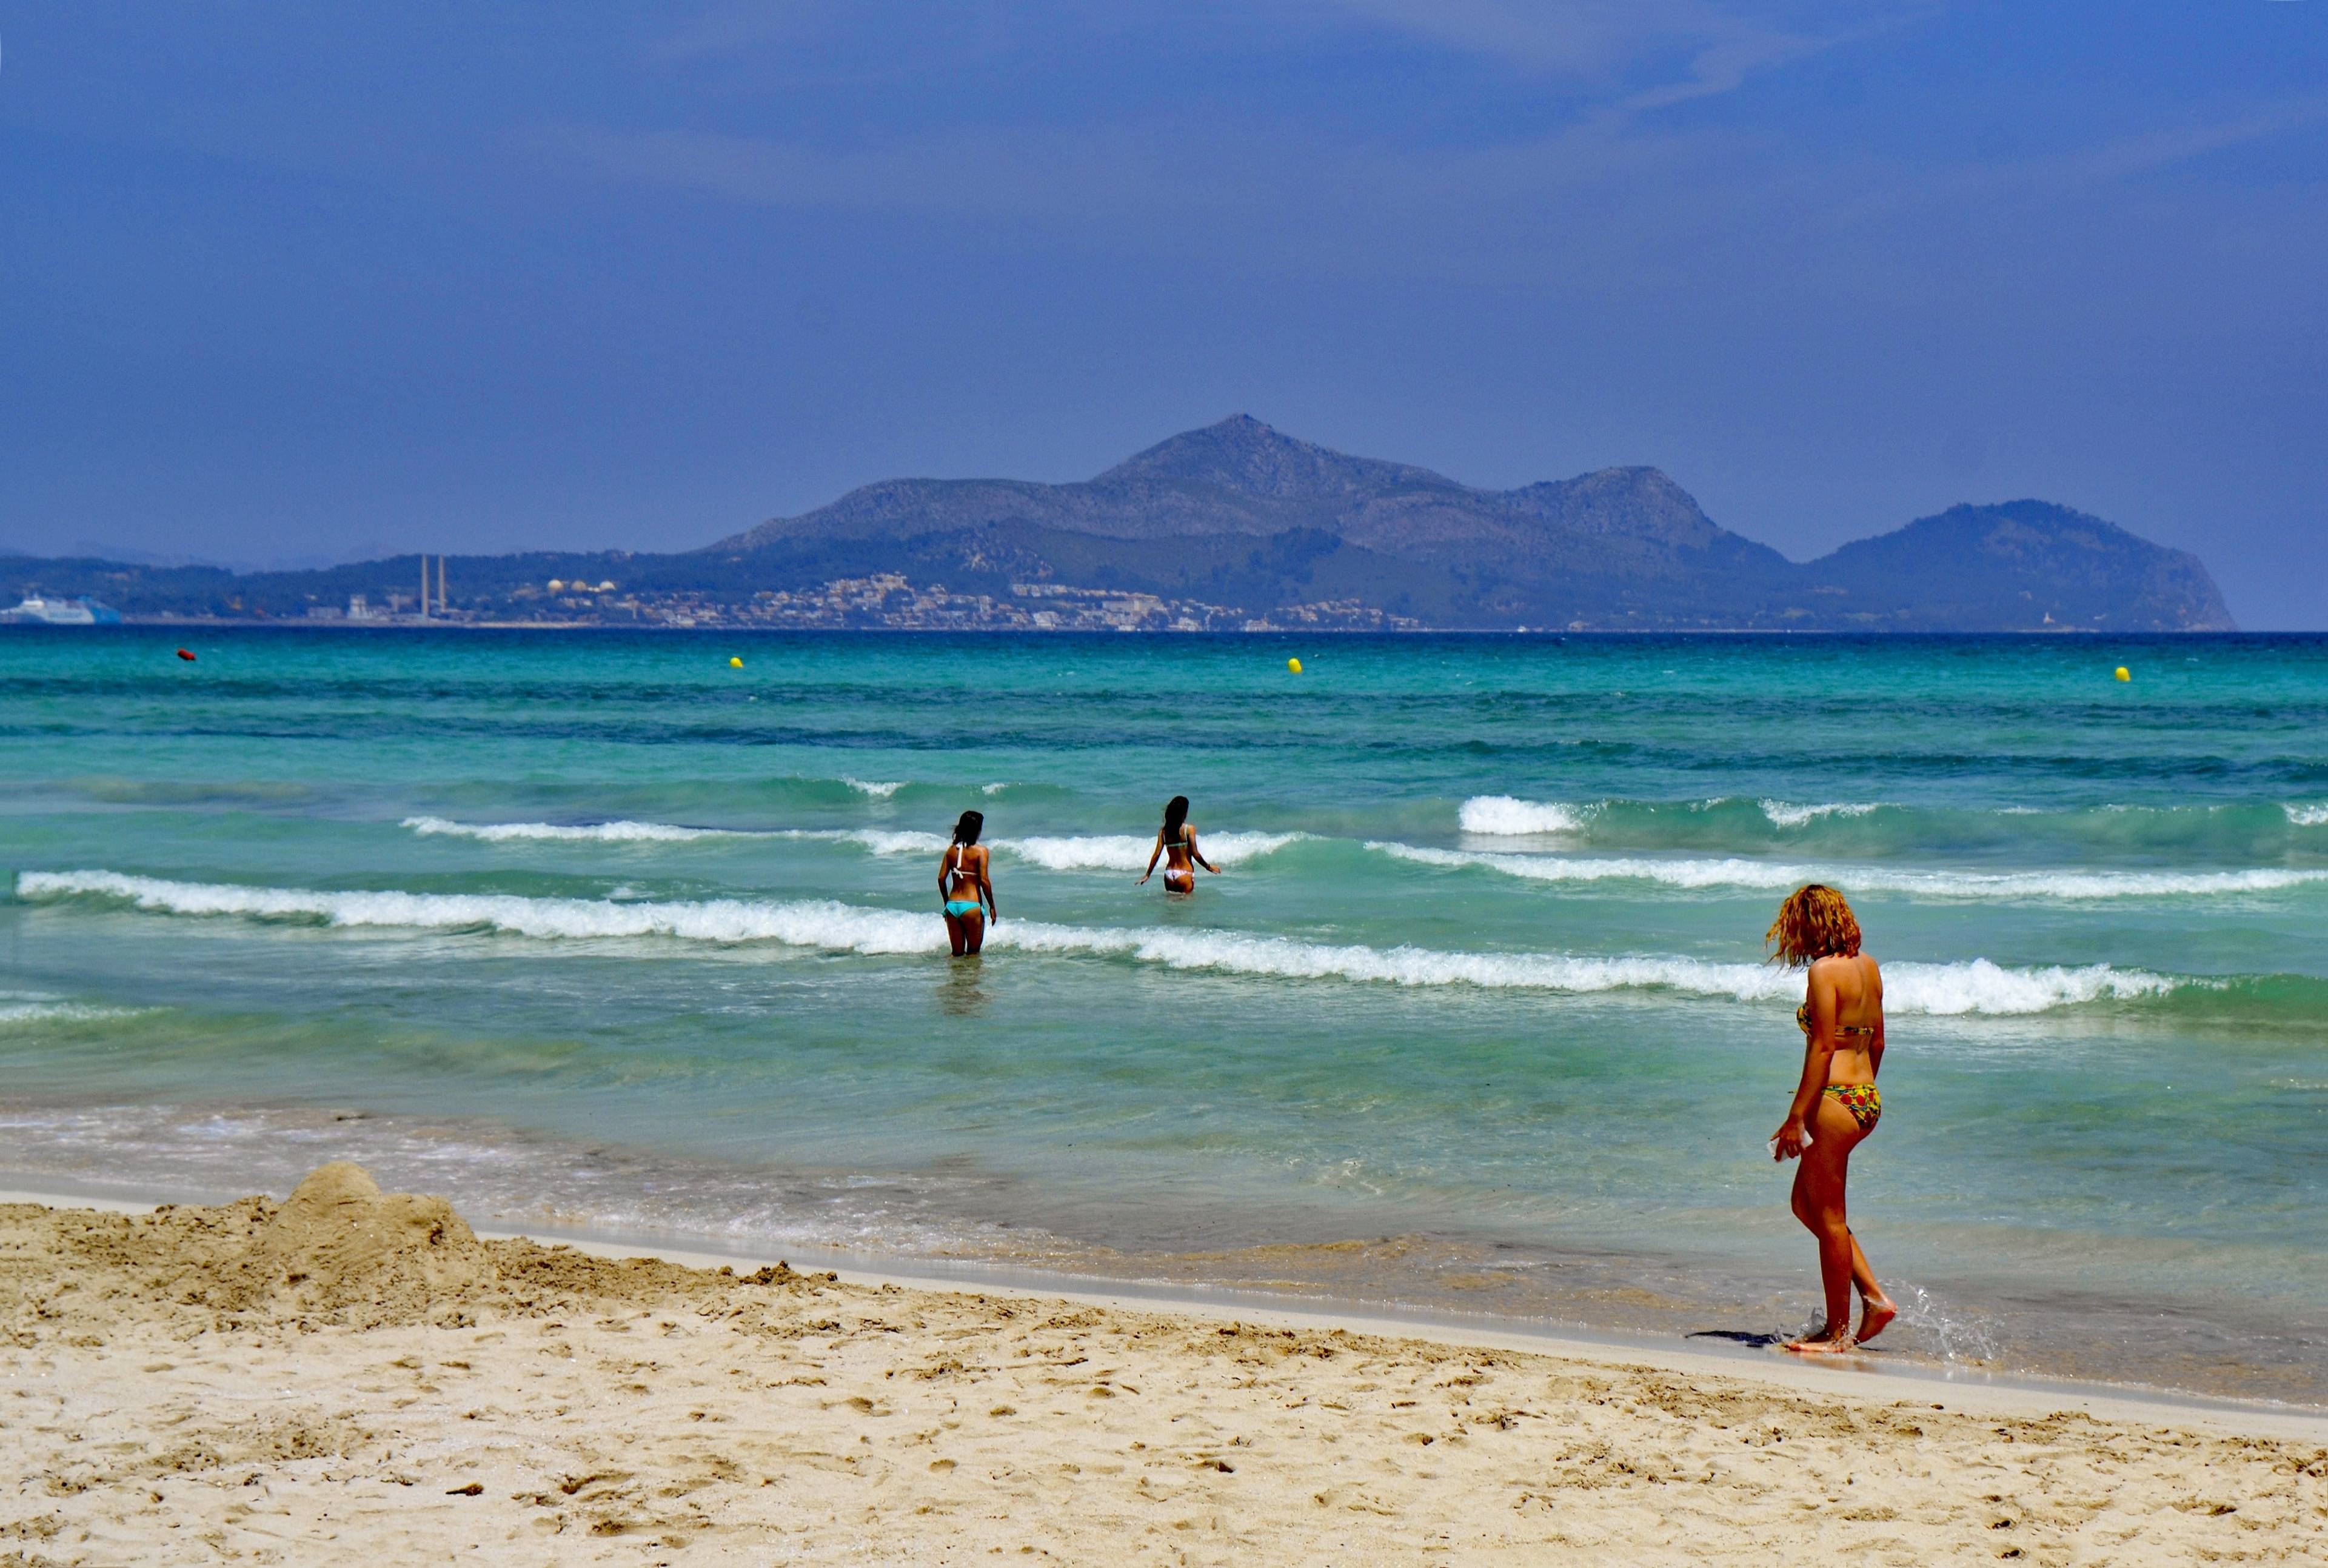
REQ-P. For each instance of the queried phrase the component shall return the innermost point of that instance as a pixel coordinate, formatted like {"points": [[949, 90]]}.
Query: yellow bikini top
{"points": [[1803, 1020]]}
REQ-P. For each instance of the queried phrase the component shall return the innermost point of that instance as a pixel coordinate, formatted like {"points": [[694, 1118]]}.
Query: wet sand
{"points": [[349, 1375]]}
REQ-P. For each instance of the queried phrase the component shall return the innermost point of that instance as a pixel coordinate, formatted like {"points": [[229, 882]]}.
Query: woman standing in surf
{"points": [[1836, 1104], [1175, 846], [963, 883]]}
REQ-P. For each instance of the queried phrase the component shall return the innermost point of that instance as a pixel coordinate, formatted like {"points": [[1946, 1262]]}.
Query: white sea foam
{"points": [[1558, 869], [1509, 817], [877, 789], [1734, 872], [1783, 814], [1983, 986], [1113, 852], [617, 832], [15, 1015], [1976, 987], [18, 1011], [1125, 852], [881, 841], [808, 923], [2307, 816]]}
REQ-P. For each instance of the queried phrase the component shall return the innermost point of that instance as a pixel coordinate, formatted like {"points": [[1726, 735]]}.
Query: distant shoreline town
{"points": [[885, 601], [1233, 528]]}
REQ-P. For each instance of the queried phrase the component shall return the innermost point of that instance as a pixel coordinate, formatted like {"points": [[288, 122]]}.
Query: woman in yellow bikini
{"points": [[1836, 1103], [962, 883]]}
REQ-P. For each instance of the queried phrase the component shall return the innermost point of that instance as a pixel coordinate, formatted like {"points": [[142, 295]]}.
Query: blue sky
{"points": [[286, 280]]}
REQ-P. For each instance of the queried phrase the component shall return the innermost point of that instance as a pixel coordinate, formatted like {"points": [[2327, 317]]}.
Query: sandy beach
{"points": [[352, 1375]]}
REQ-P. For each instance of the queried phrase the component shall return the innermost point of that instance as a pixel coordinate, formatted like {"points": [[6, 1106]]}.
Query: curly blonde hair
{"points": [[1814, 922]]}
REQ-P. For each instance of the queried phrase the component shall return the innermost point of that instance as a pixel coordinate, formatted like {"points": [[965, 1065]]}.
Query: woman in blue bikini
{"points": [[963, 882]]}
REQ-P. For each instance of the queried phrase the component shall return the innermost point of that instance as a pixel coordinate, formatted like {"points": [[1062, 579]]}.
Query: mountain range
{"points": [[1240, 513], [1236, 523]]}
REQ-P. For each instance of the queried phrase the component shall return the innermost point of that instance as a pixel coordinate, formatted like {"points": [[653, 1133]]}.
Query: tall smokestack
{"points": [[440, 584], [424, 585]]}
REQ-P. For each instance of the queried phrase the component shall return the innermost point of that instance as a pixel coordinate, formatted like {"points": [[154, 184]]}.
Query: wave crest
{"points": [[31, 1007], [1734, 872], [806, 923], [1509, 817], [1975, 986], [880, 840], [1783, 814], [617, 832], [1113, 852], [1123, 852]]}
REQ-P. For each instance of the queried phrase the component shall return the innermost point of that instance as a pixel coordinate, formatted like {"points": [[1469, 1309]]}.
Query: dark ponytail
{"points": [[966, 831], [1175, 817]]}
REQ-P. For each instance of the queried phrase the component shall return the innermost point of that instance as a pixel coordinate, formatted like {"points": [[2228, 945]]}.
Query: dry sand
{"points": [[351, 1377]]}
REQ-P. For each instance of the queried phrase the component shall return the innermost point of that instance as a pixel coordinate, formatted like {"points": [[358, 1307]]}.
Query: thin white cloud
{"points": [[1725, 65], [1703, 48], [2151, 151], [1644, 54]]}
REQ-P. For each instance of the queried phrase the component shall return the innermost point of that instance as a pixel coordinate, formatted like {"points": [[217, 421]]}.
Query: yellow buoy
{"points": [[735, 663], [2123, 673], [1294, 665]]}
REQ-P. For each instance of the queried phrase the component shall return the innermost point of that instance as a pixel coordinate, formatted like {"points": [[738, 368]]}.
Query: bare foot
{"points": [[1831, 1345], [1875, 1316]]}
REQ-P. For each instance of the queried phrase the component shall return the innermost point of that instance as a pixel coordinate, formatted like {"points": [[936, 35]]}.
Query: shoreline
{"points": [[351, 1374], [2000, 1394], [409, 623], [2013, 1394]]}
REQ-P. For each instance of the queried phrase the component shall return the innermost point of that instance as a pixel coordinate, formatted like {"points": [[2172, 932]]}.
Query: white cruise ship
{"points": [[81, 612]]}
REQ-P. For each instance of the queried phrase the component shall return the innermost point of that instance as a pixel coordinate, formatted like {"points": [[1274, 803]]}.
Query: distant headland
{"points": [[1236, 527]]}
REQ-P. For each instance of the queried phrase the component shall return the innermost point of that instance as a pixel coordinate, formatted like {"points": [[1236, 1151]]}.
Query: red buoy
{"points": [[189, 658]]}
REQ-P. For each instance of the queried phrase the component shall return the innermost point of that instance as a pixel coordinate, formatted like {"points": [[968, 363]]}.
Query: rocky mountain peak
{"points": [[1245, 456], [1638, 502]]}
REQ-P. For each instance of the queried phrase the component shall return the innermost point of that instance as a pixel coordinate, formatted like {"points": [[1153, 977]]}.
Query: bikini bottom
{"points": [[1862, 1100]]}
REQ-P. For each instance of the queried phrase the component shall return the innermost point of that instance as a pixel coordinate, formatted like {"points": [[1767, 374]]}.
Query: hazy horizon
{"points": [[285, 286], [378, 550]]}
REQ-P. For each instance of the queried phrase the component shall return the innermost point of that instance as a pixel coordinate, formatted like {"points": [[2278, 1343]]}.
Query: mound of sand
{"points": [[341, 1243], [340, 1252]]}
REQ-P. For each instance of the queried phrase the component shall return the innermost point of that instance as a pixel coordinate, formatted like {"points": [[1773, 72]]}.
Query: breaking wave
{"points": [[1975, 986], [879, 840], [560, 832], [1112, 852], [19, 1008], [1734, 872], [808, 923], [1124, 853], [1785, 816], [1509, 817]]}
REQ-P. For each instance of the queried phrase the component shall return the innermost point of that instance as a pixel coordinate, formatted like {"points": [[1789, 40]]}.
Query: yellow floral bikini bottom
{"points": [[1865, 1103]]}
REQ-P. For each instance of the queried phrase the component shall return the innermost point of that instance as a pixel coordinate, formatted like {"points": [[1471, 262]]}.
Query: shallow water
{"points": [[595, 930]]}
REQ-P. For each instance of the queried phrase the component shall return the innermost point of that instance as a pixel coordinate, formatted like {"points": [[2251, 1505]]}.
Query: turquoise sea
{"points": [[594, 932]]}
